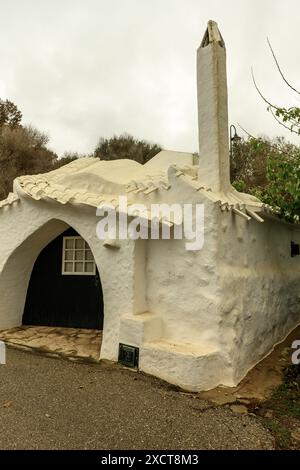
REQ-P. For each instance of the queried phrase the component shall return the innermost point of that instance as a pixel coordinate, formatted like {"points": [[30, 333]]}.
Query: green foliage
{"points": [[281, 433], [239, 185], [269, 170], [283, 190], [285, 406], [285, 400], [126, 146], [288, 117]]}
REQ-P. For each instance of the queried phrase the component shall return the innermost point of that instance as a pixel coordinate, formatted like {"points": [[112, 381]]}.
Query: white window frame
{"points": [[84, 261]]}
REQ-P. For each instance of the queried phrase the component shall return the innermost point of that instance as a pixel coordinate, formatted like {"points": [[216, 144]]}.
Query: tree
{"points": [[126, 146], [248, 164], [9, 114], [67, 157], [22, 151], [270, 170], [283, 189]]}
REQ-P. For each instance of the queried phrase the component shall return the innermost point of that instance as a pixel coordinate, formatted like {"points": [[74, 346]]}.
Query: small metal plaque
{"points": [[128, 355]]}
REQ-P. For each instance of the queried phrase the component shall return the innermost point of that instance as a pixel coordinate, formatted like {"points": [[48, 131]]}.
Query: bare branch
{"points": [[272, 107], [260, 93], [246, 132], [279, 68]]}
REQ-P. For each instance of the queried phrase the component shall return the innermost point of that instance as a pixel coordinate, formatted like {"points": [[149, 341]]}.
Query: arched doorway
{"points": [[65, 288]]}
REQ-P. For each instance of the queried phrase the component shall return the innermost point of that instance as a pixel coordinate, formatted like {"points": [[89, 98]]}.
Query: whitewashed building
{"points": [[195, 318]]}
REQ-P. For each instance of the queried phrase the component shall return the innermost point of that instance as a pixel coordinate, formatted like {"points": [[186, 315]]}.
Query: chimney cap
{"points": [[212, 35]]}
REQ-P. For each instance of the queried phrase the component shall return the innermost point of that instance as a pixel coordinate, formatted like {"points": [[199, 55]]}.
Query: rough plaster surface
{"points": [[200, 318], [27, 228], [260, 289]]}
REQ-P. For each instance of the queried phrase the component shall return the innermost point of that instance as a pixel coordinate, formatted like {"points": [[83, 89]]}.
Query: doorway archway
{"points": [[65, 288]]}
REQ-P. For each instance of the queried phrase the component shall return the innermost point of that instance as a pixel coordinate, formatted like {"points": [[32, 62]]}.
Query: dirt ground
{"points": [[260, 381]]}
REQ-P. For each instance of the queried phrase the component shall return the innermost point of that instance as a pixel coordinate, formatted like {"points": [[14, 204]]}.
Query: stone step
{"points": [[136, 330], [193, 367]]}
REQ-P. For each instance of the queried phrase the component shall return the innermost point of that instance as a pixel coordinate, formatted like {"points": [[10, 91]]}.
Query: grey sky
{"points": [[81, 69]]}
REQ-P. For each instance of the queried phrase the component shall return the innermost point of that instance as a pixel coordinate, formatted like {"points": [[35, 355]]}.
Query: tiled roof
{"points": [[92, 182], [11, 199]]}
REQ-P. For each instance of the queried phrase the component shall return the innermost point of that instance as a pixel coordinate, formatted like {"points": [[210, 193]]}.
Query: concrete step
{"points": [[136, 330], [193, 367]]}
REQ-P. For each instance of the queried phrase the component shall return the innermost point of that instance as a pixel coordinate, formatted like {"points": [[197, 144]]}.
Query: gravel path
{"points": [[50, 403]]}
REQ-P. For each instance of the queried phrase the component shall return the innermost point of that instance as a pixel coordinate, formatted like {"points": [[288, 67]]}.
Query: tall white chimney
{"points": [[214, 168]]}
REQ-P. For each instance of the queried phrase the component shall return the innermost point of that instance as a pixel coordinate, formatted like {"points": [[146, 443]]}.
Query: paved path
{"points": [[74, 343], [48, 403]]}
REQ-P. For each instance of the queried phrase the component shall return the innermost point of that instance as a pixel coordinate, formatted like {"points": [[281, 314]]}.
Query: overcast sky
{"points": [[81, 69]]}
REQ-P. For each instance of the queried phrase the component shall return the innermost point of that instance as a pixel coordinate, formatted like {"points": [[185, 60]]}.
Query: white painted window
{"points": [[77, 259]]}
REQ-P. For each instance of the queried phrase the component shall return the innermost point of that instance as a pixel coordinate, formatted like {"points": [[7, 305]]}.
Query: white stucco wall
{"points": [[183, 285], [28, 226], [260, 289], [200, 318], [223, 308], [184, 289]]}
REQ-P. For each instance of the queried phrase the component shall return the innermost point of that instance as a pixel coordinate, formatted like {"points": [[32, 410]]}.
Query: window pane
{"points": [[89, 267], [89, 255], [69, 255], [79, 243], [69, 267], [79, 267], [79, 255], [69, 243]]}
